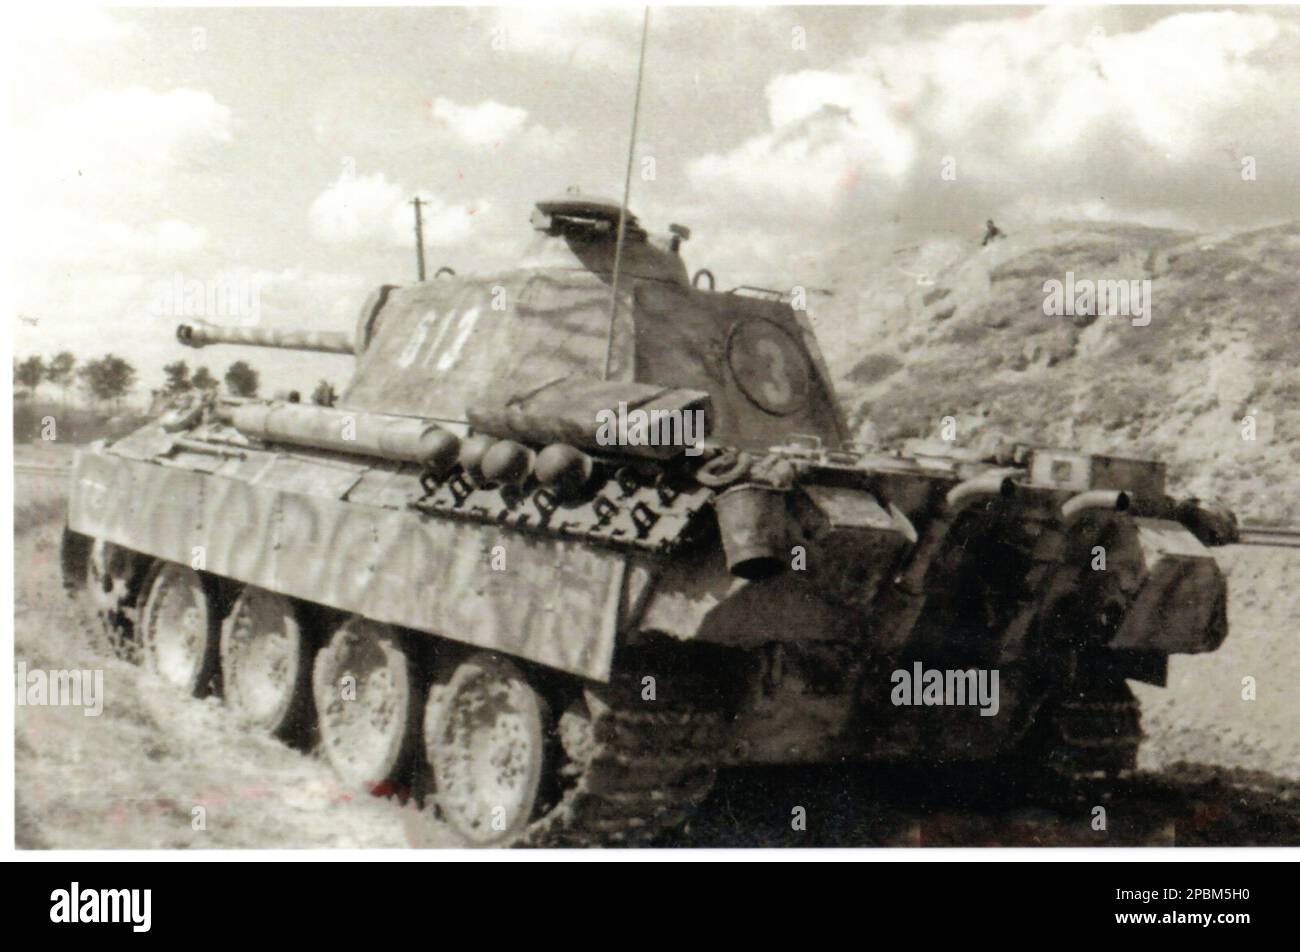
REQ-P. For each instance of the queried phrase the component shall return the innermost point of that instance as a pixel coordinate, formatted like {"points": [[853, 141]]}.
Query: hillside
{"points": [[951, 329]]}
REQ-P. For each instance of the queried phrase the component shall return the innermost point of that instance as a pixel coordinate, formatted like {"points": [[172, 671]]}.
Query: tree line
{"points": [[241, 379], [109, 378], [105, 379]]}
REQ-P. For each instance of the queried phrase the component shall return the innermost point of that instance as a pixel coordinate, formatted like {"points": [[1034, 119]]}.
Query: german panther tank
{"points": [[582, 533]]}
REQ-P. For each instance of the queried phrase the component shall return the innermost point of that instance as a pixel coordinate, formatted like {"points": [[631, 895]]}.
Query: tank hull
{"points": [[292, 532], [627, 512], [809, 663]]}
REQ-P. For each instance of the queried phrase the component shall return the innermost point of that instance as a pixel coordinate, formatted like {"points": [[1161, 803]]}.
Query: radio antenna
{"points": [[627, 188]]}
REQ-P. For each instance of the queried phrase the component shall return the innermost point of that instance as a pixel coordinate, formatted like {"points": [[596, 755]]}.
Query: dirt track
{"points": [[145, 772]]}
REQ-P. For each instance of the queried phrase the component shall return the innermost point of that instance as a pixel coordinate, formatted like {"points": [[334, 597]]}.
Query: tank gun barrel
{"points": [[200, 334]]}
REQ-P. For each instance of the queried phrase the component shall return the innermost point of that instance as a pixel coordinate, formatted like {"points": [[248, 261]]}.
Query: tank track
{"points": [[1094, 734], [117, 613], [637, 772]]}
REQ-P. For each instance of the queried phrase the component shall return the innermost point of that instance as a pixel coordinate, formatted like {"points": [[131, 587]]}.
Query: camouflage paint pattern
{"points": [[444, 348], [285, 525]]}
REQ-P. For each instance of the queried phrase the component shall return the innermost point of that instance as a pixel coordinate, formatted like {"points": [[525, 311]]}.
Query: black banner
{"points": [[342, 901]]}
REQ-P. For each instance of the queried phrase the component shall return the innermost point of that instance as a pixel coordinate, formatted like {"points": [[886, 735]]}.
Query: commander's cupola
{"points": [[581, 231]]}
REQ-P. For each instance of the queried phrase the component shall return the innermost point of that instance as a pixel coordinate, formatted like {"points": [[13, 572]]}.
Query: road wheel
{"points": [[266, 662], [178, 629], [363, 682], [485, 738]]}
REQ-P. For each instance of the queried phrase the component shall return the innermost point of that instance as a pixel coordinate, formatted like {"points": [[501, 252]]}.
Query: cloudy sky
{"points": [[280, 148]]}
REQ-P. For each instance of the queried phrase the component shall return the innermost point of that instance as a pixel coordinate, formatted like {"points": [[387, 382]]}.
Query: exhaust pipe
{"points": [[904, 601], [1094, 500], [986, 487]]}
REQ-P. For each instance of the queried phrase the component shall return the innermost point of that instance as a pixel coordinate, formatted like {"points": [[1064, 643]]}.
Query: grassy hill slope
{"points": [[945, 329]]}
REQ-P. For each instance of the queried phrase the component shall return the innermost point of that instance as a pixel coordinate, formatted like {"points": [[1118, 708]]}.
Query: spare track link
{"points": [[642, 769]]}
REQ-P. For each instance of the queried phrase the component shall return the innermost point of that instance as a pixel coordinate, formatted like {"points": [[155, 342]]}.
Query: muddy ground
{"points": [[156, 770]]}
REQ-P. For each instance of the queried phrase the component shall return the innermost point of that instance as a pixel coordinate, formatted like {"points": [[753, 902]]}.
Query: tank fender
{"points": [[1181, 606], [852, 540]]}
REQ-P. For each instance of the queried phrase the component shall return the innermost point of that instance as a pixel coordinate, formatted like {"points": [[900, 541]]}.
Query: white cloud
{"points": [[94, 174], [445, 223], [371, 208], [827, 131], [54, 36], [164, 240], [1049, 103], [487, 124], [582, 37], [112, 144], [354, 208], [289, 296], [491, 124], [85, 240]]}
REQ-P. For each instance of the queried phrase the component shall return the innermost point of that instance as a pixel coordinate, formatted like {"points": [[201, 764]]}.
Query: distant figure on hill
{"points": [[991, 231]]}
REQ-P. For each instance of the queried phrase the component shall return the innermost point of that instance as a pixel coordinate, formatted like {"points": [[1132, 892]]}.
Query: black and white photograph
{"points": [[702, 431]]}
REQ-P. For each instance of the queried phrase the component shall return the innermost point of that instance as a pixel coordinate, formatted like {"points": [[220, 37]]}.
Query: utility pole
{"points": [[419, 235]]}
